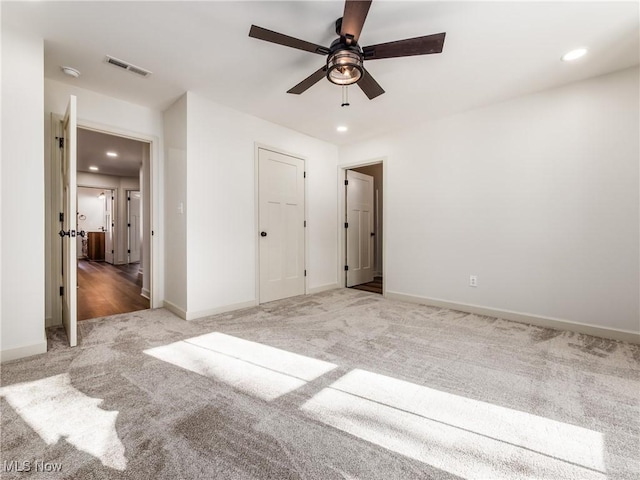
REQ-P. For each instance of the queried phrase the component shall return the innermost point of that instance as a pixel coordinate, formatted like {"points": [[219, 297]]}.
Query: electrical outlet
{"points": [[473, 280]]}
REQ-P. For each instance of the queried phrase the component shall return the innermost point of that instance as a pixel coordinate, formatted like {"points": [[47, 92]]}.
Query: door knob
{"points": [[373, 234], [263, 234]]}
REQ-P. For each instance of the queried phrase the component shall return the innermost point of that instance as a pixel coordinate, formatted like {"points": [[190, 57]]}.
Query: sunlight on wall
{"points": [[465, 437], [55, 409], [259, 370]]}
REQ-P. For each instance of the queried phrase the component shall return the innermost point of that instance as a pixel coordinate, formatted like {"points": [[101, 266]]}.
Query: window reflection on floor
{"points": [[259, 370], [56, 410], [465, 437]]}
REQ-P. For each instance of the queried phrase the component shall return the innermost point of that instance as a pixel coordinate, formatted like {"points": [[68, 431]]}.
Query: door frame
{"points": [[256, 195], [128, 192], [155, 266], [342, 209]]}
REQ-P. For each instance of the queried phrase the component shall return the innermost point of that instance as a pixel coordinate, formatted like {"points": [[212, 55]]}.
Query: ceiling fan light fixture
{"points": [[344, 66]]}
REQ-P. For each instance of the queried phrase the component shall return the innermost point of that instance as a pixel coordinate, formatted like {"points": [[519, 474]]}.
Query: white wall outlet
{"points": [[473, 280]]}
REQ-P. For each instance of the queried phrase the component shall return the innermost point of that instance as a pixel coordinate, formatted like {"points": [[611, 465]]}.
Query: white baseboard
{"points": [[145, 293], [215, 311], [22, 352], [173, 308], [540, 321], [322, 288]]}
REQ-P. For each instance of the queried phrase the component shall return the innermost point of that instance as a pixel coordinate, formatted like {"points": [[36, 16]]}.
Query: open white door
{"points": [[109, 223], [359, 228], [133, 225], [281, 224], [69, 224]]}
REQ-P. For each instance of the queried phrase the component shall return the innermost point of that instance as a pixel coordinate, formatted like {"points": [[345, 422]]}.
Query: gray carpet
{"points": [[343, 384]]}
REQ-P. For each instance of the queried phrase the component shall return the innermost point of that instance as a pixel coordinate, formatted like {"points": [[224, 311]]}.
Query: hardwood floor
{"points": [[105, 289], [373, 287]]}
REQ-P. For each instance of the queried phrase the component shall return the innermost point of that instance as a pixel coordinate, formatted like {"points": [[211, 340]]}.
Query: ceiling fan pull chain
{"points": [[345, 96]]}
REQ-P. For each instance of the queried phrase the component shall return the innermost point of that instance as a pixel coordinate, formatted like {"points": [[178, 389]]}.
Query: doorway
{"points": [[65, 177], [363, 227], [110, 195]]}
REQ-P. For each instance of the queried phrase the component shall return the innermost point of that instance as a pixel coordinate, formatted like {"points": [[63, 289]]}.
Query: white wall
{"points": [[221, 222], [538, 196], [23, 274], [175, 205], [91, 217], [116, 116]]}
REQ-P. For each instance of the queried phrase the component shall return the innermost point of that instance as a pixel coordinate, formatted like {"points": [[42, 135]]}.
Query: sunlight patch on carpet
{"points": [[465, 437], [260, 370], [55, 409]]}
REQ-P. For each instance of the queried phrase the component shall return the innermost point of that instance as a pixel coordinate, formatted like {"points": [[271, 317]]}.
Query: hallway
{"points": [[105, 289]]}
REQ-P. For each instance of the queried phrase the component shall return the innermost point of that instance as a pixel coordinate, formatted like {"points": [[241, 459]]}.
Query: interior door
{"points": [[281, 225], [109, 223], [69, 224], [359, 228], [133, 223]]}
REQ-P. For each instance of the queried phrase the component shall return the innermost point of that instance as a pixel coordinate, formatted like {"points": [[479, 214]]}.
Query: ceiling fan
{"points": [[345, 57]]}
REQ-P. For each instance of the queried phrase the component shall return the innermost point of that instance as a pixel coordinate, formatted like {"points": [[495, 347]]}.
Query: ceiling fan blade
{"points": [[369, 86], [310, 81], [281, 39], [355, 13], [405, 48]]}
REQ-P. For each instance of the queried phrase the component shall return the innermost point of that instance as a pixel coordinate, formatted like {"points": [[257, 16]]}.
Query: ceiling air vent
{"points": [[127, 66]]}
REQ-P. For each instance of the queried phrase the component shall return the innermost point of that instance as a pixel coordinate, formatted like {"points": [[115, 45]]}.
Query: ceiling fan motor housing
{"points": [[344, 63]]}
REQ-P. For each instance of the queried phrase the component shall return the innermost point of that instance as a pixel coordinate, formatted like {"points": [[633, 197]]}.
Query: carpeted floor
{"points": [[340, 385]]}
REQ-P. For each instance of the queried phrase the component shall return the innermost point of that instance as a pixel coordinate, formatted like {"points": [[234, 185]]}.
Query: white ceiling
{"points": [[493, 51]]}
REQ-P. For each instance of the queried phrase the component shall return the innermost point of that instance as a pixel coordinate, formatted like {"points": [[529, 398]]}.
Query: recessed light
{"points": [[342, 128], [112, 154], [72, 72], [574, 54], [94, 168]]}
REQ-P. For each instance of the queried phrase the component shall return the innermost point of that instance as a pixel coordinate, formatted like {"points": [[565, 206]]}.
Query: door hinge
{"points": [[305, 223], [346, 267], [305, 273], [61, 217], [60, 142], [128, 225], [61, 291], [346, 182], [152, 232], [128, 251], [128, 199], [346, 224], [304, 175], [111, 252]]}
